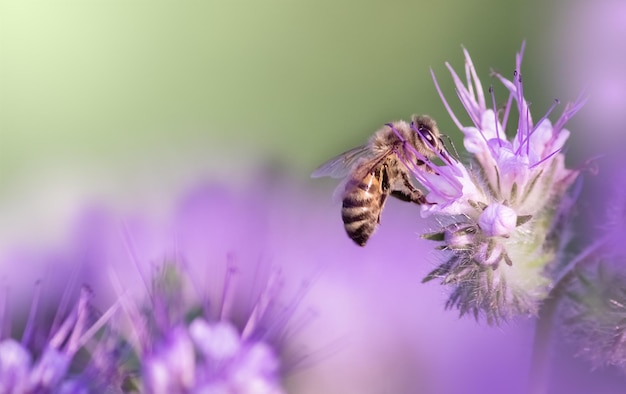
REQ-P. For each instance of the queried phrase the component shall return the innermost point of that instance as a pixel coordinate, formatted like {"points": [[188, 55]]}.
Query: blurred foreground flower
{"points": [[178, 347], [202, 310], [41, 363], [207, 314], [502, 219]]}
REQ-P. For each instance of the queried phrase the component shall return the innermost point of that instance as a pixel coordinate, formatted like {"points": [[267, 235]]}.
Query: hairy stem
{"points": [[540, 360]]}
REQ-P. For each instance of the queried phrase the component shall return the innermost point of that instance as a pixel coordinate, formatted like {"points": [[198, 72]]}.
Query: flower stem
{"points": [[540, 366], [540, 360]]}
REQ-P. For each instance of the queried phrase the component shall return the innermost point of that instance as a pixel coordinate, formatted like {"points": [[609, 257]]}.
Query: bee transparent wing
{"points": [[340, 166], [360, 171], [340, 190]]}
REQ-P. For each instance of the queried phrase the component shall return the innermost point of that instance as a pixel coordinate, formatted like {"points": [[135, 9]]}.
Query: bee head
{"points": [[427, 132]]}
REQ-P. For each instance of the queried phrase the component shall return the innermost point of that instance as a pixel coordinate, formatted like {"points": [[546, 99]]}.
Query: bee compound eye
{"points": [[427, 134]]}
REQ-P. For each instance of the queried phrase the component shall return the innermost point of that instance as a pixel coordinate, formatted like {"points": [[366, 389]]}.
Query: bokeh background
{"points": [[130, 104], [134, 101]]}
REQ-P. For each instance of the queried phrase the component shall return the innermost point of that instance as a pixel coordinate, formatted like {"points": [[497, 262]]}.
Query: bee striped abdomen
{"points": [[361, 209]]}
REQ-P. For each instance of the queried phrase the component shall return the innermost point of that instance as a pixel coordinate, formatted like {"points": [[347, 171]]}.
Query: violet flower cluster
{"points": [[170, 345], [46, 361], [192, 322], [179, 347], [501, 219]]}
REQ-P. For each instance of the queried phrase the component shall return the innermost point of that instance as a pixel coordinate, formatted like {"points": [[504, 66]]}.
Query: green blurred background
{"points": [[137, 99]]}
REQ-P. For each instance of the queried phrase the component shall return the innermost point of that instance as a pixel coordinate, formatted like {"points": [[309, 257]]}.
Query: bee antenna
{"points": [[456, 153]]}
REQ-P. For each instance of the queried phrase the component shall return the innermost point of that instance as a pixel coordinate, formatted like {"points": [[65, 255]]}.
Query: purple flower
{"points": [[497, 220], [205, 307], [28, 366], [526, 170], [498, 216], [181, 347]]}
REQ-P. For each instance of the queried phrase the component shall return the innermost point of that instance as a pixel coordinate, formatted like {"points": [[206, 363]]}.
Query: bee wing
{"points": [[340, 166], [348, 183], [362, 168]]}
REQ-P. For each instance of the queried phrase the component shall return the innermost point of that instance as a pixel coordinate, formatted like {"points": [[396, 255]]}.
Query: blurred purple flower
{"points": [[41, 363], [205, 305], [190, 287], [180, 348]]}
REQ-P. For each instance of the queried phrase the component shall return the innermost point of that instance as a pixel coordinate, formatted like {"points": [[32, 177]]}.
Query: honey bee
{"points": [[380, 168]]}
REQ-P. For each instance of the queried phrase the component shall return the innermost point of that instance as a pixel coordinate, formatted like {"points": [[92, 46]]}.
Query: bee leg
{"points": [[416, 197], [426, 167], [382, 201], [409, 193], [385, 188]]}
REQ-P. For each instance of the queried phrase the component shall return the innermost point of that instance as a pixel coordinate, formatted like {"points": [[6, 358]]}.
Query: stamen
{"points": [[412, 166], [470, 87], [138, 336], [507, 111], [552, 107], [479, 88], [517, 81], [570, 110], [65, 301], [469, 102], [102, 320], [528, 133], [30, 323], [407, 146], [263, 304], [127, 239], [82, 313], [467, 105], [445, 102], [228, 291], [512, 91], [431, 146], [520, 55], [296, 325], [545, 158], [495, 114], [280, 322], [58, 338]]}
